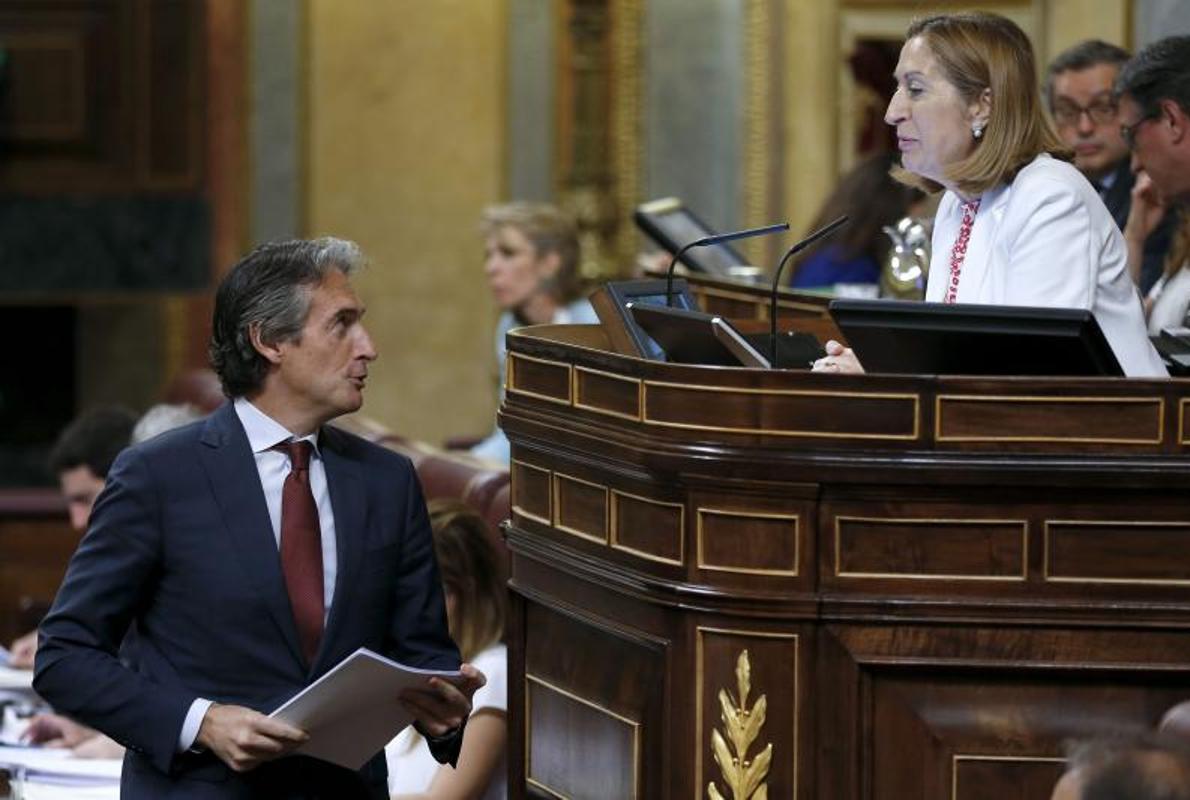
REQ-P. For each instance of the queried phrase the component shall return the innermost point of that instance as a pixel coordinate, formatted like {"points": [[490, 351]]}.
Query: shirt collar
{"points": [[263, 431]]}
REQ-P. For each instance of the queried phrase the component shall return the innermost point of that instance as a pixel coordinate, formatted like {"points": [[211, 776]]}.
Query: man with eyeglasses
{"points": [[1153, 92], [1079, 90]]}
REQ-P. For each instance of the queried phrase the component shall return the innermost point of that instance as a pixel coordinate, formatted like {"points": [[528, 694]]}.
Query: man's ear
{"points": [[1176, 118], [271, 352]]}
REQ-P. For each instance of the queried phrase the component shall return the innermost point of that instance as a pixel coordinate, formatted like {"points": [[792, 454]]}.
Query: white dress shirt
{"points": [[264, 433], [1046, 239]]}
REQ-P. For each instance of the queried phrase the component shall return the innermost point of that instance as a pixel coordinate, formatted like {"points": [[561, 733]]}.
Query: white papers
{"points": [[48, 767], [352, 712], [16, 678]]}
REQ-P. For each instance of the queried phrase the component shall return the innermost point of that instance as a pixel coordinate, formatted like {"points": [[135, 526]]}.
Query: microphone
{"points": [[821, 233], [718, 238]]}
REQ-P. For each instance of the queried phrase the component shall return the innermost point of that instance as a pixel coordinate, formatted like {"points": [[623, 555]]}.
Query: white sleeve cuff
{"points": [[192, 723]]}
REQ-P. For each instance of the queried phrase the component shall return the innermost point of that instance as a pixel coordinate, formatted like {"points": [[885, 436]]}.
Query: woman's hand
{"points": [[838, 359]]}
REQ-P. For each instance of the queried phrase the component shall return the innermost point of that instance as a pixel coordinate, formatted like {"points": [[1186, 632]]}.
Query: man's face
{"points": [[321, 374], [1087, 119], [80, 486], [1155, 148]]}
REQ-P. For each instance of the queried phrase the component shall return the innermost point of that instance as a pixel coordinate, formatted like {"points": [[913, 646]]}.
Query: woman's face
{"points": [[933, 121], [515, 271]]}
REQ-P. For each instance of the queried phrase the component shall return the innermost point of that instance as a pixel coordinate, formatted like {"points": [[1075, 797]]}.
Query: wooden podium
{"points": [[833, 586]]}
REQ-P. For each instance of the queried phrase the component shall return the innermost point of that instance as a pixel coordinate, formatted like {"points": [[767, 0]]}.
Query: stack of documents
{"points": [[51, 773]]}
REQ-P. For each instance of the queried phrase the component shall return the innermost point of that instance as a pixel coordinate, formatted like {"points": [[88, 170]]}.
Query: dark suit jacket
{"points": [[1118, 200], [180, 541]]}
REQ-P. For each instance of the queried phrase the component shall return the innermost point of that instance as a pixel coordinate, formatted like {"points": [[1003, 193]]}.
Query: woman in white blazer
{"points": [[1017, 225]]}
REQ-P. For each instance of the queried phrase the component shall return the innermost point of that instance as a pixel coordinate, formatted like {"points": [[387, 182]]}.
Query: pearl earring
{"points": [[977, 131]]}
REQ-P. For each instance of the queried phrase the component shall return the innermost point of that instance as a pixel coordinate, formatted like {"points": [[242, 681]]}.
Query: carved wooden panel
{"points": [[1125, 552], [930, 549], [1039, 419], [581, 507], [748, 542], [606, 393], [822, 414], [650, 529], [539, 378], [532, 492], [591, 731]]}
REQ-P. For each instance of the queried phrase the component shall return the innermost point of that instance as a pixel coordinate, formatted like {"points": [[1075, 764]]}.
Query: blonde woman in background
{"points": [[475, 608]]}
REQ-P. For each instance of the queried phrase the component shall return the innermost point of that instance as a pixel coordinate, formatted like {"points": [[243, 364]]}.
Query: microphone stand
{"points": [[717, 238], [821, 233]]}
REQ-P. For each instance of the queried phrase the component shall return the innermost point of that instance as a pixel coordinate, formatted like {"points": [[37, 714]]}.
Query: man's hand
{"points": [[22, 651], [1147, 209], [54, 730], [243, 738], [443, 705]]}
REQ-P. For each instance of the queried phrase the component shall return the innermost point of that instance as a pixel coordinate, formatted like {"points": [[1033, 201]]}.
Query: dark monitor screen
{"points": [[670, 224], [900, 336], [692, 337], [649, 292]]}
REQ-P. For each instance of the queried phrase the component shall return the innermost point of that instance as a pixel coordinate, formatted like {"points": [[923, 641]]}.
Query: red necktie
{"points": [[959, 251], [301, 547]]}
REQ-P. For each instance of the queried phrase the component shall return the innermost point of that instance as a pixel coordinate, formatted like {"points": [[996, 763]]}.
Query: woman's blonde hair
{"points": [[549, 230], [470, 572], [979, 51]]}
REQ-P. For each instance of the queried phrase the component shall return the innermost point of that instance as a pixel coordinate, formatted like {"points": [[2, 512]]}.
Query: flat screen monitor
{"points": [[613, 300], [669, 223], [901, 336], [692, 337]]}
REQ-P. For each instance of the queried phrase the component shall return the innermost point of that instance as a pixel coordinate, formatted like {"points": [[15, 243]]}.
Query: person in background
{"points": [[1136, 767], [80, 458], [475, 607], [871, 199], [531, 259], [55, 730], [1017, 225], [1079, 91]]}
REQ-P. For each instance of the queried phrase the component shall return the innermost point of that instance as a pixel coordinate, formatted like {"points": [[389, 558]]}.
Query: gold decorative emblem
{"points": [[744, 777]]}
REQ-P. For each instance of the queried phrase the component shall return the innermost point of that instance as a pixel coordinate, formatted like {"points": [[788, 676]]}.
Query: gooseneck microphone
{"points": [[824, 231], [718, 238]]}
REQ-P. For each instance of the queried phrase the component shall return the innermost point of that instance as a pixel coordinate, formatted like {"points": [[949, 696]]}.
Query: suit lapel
{"points": [[231, 469], [345, 484]]}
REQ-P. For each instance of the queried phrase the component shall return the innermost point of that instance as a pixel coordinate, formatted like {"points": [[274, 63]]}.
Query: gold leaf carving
{"points": [[744, 777]]}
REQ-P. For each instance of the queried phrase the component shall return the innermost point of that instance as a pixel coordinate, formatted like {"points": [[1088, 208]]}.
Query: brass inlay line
{"points": [[615, 539], [1057, 400], [549, 500], [957, 757], [1045, 553], [578, 401], [744, 777], [633, 725], [700, 679], [557, 508], [794, 518], [783, 393], [929, 576], [511, 378], [1182, 421]]}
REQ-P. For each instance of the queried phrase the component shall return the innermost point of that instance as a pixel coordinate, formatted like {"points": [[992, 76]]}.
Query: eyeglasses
{"points": [[1101, 112], [1128, 132]]}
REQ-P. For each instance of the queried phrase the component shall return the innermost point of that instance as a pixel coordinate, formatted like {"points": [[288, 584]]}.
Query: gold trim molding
{"points": [[1055, 399], [929, 576], [556, 504], [797, 544], [1087, 579], [520, 510], [614, 527], [578, 400], [510, 379], [633, 725]]}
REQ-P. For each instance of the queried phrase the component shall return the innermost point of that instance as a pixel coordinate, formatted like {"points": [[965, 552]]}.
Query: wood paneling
{"points": [[930, 606]]}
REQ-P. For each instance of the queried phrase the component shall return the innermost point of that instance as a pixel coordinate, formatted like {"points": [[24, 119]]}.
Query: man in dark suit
{"points": [[255, 550], [1079, 89]]}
